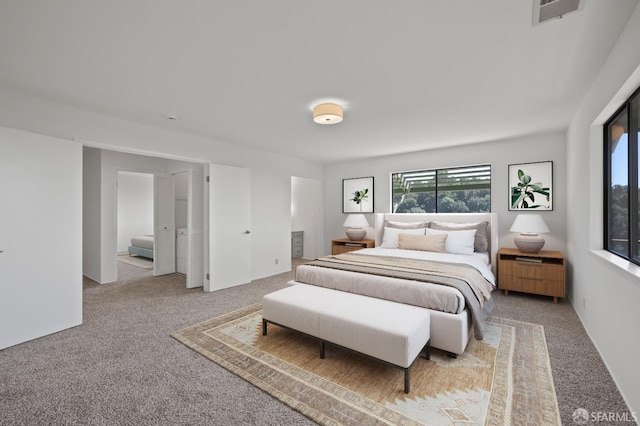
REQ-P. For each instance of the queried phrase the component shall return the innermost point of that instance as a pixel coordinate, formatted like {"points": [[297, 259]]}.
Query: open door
{"points": [[40, 236], [195, 265], [229, 236], [164, 248]]}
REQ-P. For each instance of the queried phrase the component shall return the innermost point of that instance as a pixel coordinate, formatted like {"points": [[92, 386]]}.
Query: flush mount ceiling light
{"points": [[327, 113]]}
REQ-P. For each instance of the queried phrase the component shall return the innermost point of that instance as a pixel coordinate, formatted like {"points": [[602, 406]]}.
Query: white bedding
{"points": [[427, 295]]}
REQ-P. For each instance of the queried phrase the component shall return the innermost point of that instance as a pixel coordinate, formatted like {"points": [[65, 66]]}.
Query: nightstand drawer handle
{"points": [[531, 278]]}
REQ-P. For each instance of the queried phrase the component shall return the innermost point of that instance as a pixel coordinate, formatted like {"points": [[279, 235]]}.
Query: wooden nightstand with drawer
{"points": [[344, 245], [537, 273]]}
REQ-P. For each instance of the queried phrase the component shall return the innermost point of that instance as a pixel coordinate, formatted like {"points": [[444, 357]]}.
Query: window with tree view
{"points": [[622, 227], [451, 190]]}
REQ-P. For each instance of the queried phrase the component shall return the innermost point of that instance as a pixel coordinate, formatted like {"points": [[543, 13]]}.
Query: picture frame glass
{"points": [[531, 186], [357, 195]]}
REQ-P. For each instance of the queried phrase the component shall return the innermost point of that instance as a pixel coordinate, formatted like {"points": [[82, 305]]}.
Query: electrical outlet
{"points": [[584, 303], [276, 261]]}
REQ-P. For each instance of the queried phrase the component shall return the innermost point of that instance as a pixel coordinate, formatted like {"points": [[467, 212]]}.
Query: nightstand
{"points": [[344, 245], [537, 273]]}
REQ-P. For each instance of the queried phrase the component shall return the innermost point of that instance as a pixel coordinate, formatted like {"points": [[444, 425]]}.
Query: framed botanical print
{"points": [[531, 186], [357, 195]]}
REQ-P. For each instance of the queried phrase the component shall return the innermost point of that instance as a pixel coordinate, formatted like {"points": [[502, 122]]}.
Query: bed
{"points": [[442, 262], [142, 246]]}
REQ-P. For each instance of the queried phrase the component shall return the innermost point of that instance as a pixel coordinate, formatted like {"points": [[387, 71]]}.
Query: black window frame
{"points": [[436, 176], [633, 181]]}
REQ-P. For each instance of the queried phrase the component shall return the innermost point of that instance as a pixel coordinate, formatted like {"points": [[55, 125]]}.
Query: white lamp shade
{"points": [[355, 221], [529, 224]]}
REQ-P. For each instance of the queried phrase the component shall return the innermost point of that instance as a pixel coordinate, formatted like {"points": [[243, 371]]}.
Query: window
{"points": [[621, 198], [452, 190]]}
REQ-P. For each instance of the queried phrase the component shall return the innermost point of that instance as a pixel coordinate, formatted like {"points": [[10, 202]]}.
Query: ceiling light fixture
{"points": [[327, 113]]}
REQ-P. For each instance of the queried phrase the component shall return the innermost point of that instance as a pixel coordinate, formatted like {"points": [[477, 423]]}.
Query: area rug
{"points": [[140, 262], [504, 379]]}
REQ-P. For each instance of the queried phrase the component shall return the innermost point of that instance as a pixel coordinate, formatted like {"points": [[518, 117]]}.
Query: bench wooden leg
{"points": [[406, 380], [321, 349], [264, 327]]}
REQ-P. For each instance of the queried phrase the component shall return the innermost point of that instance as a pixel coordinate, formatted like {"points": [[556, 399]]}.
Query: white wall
{"points": [[40, 235], [270, 203], [135, 207], [306, 214], [67, 174], [91, 213], [542, 147], [270, 173], [605, 290]]}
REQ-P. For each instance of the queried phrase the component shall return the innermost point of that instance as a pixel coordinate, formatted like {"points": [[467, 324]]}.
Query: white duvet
{"points": [[427, 295]]}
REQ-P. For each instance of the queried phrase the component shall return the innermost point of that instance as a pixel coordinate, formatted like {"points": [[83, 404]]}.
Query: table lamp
{"points": [[354, 225], [529, 226]]}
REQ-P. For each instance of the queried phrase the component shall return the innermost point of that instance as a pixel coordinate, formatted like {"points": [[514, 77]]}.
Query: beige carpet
{"points": [[139, 261], [504, 379]]}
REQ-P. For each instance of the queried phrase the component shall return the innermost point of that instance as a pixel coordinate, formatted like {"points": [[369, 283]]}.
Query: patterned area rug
{"points": [[504, 379]]}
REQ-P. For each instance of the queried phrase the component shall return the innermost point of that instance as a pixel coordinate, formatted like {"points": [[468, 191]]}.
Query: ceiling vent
{"points": [[546, 10]]}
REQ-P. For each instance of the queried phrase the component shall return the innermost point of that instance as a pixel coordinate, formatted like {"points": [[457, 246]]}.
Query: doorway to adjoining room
{"points": [[134, 225]]}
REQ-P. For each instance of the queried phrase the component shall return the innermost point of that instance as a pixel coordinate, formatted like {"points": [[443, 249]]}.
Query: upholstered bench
{"points": [[391, 332]]}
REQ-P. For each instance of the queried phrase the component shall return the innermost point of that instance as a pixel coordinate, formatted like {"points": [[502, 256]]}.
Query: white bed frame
{"points": [[449, 332]]}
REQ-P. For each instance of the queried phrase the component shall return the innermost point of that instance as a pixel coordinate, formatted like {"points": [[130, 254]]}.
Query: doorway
{"points": [[306, 205], [155, 223], [134, 225], [100, 247]]}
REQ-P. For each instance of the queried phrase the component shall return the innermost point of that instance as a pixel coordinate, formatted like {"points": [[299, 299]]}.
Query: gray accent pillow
{"points": [[405, 225], [481, 243]]}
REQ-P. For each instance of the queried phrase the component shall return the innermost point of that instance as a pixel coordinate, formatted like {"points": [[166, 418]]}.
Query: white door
{"points": [[164, 247], [40, 235], [229, 227], [195, 256]]}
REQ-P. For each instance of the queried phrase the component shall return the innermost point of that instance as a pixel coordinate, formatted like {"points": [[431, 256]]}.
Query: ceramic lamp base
{"points": [[529, 243], [356, 234]]}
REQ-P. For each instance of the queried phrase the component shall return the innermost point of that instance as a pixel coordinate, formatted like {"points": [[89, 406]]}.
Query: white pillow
{"points": [[390, 237], [458, 242], [482, 240]]}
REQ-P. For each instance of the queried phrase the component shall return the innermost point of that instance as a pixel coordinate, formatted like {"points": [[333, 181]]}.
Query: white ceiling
{"points": [[411, 74]]}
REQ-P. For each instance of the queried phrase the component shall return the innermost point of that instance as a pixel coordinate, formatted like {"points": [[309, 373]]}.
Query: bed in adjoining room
{"points": [[444, 262], [141, 246]]}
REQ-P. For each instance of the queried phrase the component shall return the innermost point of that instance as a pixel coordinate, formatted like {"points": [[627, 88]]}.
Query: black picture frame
{"points": [[352, 199], [531, 186]]}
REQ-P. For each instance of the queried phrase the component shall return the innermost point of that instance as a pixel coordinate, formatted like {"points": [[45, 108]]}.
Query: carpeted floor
{"points": [[130, 272], [122, 367]]}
